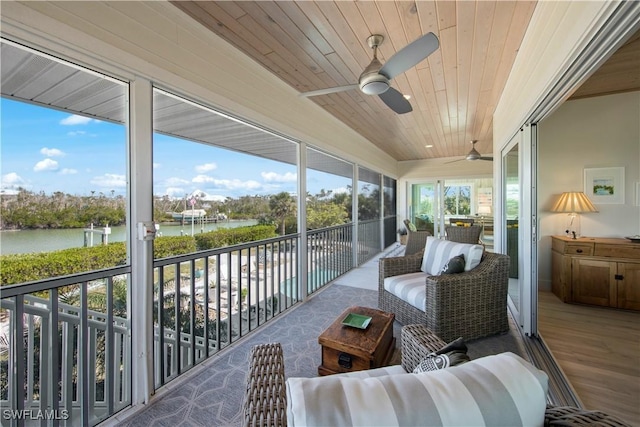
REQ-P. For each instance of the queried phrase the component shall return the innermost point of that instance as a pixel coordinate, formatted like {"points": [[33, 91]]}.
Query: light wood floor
{"points": [[598, 349]]}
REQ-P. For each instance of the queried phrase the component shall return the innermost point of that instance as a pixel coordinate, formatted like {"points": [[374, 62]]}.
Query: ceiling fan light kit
{"points": [[374, 84], [375, 79]]}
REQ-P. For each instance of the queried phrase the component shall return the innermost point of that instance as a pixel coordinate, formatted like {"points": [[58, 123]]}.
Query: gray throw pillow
{"points": [[454, 265]]}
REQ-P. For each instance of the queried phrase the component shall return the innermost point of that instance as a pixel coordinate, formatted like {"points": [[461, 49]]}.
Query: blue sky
{"points": [[48, 150]]}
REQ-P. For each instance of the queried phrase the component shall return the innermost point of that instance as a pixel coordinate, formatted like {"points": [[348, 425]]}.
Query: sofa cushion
{"points": [[502, 389], [438, 252], [377, 372], [410, 287]]}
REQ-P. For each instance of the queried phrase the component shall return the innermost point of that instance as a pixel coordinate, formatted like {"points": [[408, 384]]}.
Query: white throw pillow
{"points": [[438, 252]]}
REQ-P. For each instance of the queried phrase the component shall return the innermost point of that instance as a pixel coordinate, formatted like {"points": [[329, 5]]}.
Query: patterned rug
{"points": [[213, 392]]}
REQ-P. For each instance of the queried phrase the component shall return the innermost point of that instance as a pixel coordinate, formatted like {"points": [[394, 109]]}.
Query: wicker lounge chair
{"points": [[265, 403], [471, 305]]}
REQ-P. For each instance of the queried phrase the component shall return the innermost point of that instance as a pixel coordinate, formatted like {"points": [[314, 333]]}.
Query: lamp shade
{"points": [[484, 209], [574, 202]]}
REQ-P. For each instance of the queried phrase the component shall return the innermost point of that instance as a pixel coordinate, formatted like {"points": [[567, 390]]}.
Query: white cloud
{"points": [[9, 184], [228, 184], [156, 165], [215, 198], [208, 197], [207, 167], [46, 165], [77, 120], [276, 177], [175, 182], [199, 179], [68, 171], [76, 133], [340, 190], [109, 180], [12, 178], [51, 152], [175, 191]]}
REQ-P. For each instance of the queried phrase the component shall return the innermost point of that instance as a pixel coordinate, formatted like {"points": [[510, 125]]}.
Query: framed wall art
{"points": [[604, 185]]}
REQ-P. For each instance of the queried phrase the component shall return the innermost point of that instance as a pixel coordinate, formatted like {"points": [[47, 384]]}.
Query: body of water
{"points": [[27, 241]]}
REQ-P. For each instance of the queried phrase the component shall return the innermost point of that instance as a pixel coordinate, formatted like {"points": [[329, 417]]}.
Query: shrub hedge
{"points": [[21, 268], [234, 236]]}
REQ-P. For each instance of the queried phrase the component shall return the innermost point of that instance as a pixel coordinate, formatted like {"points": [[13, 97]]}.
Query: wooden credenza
{"points": [[596, 271]]}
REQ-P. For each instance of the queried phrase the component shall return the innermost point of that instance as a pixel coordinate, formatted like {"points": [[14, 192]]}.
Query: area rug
{"points": [[212, 393]]}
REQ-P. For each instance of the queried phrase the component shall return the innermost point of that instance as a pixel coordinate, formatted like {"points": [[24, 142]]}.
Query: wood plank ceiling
{"points": [[321, 44]]}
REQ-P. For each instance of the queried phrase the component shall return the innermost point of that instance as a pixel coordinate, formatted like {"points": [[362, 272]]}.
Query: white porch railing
{"points": [[65, 343], [66, 350], [215, 297]]}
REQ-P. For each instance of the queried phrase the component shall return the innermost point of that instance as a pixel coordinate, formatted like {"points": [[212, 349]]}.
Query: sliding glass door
{"points": [[519, 225], [433, 204], [424, 206], [511, 209]]}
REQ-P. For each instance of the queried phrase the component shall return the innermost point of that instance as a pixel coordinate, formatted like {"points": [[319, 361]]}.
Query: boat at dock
{"points": [[198, 215], [188, 214]]}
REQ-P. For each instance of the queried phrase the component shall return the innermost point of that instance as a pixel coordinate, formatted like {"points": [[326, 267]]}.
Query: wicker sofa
{"points": [[265, 403], [471, 304]]}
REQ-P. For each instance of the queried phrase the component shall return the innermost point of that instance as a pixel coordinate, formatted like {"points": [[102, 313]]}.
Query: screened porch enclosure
{"points": [[69, 344]]}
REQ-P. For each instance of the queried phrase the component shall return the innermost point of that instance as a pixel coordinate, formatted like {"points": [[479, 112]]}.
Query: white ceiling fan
{"points": [[375, 79], [473, 154]]}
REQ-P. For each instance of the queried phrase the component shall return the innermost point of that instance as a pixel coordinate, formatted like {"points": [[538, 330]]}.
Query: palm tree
{"points": [[282, 205]]}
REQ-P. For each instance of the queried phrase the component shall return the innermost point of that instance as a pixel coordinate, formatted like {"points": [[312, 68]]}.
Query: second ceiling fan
{"points": [[473, 154], [375, 79]]}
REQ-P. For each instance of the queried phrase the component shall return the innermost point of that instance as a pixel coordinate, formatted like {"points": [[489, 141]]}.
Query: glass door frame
{"points": [[525, 309], [514, 146], [438, 223]]}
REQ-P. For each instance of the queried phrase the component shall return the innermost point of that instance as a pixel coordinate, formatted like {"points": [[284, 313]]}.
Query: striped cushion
{"points": [[377, 372], [409, 288], [438, 252], [495, 390]]}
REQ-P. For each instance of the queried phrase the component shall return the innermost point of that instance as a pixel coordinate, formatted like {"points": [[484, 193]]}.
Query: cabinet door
{"points": [[629, 286], [593, 282], [560, 276]]}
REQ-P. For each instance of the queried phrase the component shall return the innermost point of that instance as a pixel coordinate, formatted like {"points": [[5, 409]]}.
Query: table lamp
{"points": [[484, 210], [573, 203]]}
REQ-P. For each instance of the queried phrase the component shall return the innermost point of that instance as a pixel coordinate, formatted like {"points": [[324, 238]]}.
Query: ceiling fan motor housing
{"points": [[371, 81], [373, 84], [473, 154]]}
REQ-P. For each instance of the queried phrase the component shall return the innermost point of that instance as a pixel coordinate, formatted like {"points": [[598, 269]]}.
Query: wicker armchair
{"points": [[471, 304], [463, 234], [265, 403], [415, 240]]}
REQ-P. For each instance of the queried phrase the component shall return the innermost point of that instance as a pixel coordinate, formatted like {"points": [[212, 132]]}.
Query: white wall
{"points": [[557, 34], [593, 132]]}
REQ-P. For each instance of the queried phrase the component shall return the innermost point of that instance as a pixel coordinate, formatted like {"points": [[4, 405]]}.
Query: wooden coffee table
{"points": [[347, 349]]}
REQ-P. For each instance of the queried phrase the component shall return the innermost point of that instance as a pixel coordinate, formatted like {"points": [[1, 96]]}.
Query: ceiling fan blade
{"points": [[396, 101], [486, 158], [328, 90], [453, 161], [410, 55]]}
